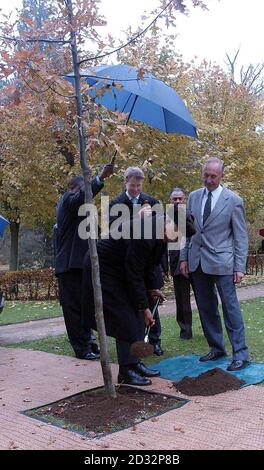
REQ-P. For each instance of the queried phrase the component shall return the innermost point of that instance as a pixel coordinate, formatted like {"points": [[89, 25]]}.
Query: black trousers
{"points": [[182, 290], [70, 286], [124, 357], [155, 330]]}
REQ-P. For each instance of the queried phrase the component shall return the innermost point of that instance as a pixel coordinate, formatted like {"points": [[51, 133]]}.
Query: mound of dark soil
{"points": [[93, 413], [212, 382]]}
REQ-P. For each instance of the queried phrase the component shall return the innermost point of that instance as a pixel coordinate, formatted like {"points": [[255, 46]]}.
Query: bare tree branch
{"points": [[56, 41]]}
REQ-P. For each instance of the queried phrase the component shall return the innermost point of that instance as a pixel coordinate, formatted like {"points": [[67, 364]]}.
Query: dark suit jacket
{"points": [[123, 199], [127, 272], [70, 248], [170, 262]]}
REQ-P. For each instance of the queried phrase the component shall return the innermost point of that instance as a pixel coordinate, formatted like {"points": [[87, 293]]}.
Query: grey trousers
{"points": [[206, 298]]}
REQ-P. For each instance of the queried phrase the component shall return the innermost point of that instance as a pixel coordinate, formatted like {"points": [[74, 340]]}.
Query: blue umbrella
{"points": [[3, 224], [147, 100]]}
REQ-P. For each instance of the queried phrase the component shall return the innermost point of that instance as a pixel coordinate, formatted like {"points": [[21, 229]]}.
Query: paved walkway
{"points": [[231, 420], [37, 329]]}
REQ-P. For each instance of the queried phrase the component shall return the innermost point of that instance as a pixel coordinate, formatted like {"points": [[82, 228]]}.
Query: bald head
{"points": [[212, 173]]}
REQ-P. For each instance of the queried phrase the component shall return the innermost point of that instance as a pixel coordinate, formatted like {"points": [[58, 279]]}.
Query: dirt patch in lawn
{"points": [[212, 382], [94, 414]]}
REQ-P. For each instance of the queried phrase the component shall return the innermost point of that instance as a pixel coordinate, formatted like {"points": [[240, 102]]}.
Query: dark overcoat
{"points": [[127, 271], [70, 248]]}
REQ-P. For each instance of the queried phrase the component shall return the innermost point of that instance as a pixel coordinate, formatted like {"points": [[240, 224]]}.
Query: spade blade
{"points": [[141, 349]]}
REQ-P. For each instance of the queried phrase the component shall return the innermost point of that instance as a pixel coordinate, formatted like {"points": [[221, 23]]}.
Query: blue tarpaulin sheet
{"points": [[175, 368]]}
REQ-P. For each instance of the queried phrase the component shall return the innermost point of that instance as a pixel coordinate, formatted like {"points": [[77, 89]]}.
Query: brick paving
{"points": [[233, 420]]}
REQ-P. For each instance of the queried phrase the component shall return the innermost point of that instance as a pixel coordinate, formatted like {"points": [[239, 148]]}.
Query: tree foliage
{"points": [[38, 139], [229, 119]]}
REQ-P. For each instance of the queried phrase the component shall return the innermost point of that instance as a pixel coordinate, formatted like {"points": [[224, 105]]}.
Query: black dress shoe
{"points": [[144, 371], [212, 356], [95, 348], [90, 356], [237, 365], [157, 350], [131, 377], [185, 334]]}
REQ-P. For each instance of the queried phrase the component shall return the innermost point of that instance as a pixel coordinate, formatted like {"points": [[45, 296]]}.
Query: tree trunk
{"points": [[98, 300], [14, 231], [48, 258]]}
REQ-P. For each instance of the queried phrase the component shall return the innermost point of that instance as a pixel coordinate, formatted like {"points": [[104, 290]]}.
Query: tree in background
{"points": [[31, 168], [35, 67], [38, 107], [229, 116]]}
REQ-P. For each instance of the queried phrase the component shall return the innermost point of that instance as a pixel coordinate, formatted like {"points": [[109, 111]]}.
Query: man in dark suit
{"points": [[69, 257], [127, 271], [216, 256], [182, 284], [139, 204]]}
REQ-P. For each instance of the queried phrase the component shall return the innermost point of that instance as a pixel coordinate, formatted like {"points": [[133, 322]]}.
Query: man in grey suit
{"points": [[216, 256]]}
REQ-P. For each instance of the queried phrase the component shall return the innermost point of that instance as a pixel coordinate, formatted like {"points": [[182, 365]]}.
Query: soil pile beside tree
{"points": [[210, 382]]}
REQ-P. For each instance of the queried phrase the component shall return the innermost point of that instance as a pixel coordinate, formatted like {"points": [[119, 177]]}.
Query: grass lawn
{"points": [[18, 311], [253, 311]]}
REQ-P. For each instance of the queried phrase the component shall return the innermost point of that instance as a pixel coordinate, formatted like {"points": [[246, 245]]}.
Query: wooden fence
{"points": [[255, 264]]}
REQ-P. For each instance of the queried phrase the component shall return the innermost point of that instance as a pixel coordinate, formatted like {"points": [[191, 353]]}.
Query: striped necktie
{"points": [[207, 207]]}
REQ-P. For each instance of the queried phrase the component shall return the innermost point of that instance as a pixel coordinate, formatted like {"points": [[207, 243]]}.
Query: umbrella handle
{"points": [[127, 119]]}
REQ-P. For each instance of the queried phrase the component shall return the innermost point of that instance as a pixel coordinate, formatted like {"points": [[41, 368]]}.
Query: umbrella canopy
{"points": [[3, 224], [147, 100]]}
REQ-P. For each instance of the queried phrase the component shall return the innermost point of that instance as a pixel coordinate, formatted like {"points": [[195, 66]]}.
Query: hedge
{"points": [[29, 284], [41, 284]]}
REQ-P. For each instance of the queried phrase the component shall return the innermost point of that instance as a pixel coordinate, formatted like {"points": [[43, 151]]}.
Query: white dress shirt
{"points": [[131, 198], [215, 196]]}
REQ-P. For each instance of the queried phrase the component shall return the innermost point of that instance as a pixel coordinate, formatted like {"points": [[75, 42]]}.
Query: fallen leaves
{"points": [[179, 429], [12, 445]]}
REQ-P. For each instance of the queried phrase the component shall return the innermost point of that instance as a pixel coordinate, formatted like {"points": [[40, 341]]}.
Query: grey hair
{"points": [[133, 172], [177, 190], [215, 160]]}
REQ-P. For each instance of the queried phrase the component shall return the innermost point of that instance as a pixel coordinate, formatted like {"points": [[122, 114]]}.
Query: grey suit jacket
{"points": [[221, 244]]}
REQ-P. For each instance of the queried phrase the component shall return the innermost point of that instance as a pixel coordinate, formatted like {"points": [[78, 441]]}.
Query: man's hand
{"points": [[184, 268], [156, 293], [107, 171], [148, 320], [238, 276], [165, 276], [145, 211]]}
